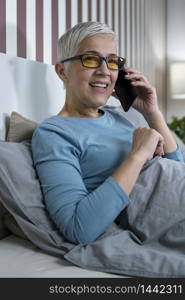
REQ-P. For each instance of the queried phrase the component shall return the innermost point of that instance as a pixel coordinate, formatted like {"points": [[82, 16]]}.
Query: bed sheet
{"points": [[20, 258]]}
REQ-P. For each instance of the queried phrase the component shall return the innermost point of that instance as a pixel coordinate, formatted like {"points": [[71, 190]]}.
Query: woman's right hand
{"points": [[146, 143]]}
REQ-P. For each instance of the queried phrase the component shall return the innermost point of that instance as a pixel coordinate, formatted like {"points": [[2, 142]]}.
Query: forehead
{"points": [[104, 44]]}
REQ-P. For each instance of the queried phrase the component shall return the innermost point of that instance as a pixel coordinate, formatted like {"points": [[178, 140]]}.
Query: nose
{"points": [[103, 68]]}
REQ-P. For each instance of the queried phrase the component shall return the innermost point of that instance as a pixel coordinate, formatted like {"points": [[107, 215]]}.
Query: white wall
{"points": [[175, 50]]}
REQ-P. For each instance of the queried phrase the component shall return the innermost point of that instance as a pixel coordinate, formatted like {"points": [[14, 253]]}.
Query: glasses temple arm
{"points": [[71, 58]]}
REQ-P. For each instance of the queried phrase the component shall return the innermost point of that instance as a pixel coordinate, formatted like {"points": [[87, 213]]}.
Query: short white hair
{"points": [[69, 42]]}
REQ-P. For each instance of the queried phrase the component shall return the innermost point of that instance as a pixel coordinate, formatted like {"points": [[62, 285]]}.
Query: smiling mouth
{"points": [[98, 85]]}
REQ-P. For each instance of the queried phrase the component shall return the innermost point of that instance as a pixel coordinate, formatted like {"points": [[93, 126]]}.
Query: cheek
{"points": [[78, 75], [78, 79], [82, 84], [83, 78]]}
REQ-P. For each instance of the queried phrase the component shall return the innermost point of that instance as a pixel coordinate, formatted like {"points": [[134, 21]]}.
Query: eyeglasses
{"points": [[93, 61]]}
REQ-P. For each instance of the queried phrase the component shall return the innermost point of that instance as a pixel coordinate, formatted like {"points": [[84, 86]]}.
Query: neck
{"points": [[79, 112]]}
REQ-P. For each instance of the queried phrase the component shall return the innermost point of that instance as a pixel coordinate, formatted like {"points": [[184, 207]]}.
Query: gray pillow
{"points": [[21, 195], [20, 191], [20, 129]]}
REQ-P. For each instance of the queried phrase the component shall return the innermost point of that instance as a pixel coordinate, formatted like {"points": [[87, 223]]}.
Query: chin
{"points": [[102, 101], [97, 101]]}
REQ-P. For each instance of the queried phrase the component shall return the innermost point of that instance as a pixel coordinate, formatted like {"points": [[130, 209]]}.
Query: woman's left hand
{"points": [[146, 101]]}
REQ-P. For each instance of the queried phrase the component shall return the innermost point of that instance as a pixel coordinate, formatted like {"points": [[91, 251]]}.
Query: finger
{"points": [[160, 147], [131, 70], [159, 151], [136, 77], [138, 83]]}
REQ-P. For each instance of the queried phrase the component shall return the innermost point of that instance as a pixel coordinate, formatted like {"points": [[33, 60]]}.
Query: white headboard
{"points": [[30, 88]]}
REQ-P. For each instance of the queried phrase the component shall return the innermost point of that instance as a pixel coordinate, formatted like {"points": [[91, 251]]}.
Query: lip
{"points": [[99, 82], [99, 90]]}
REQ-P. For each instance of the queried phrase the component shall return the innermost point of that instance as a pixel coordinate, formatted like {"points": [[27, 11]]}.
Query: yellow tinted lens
{"points": [[113, 63], [91, 61]]}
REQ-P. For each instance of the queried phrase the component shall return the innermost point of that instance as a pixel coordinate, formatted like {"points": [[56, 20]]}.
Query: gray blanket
{"points": [[149, 241]]}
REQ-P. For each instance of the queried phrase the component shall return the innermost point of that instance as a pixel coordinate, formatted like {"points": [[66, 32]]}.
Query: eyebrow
{"points": [[96, 52]]}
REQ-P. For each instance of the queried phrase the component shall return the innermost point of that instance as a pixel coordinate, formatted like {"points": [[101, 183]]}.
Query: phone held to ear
{"points": [[125, 91]]}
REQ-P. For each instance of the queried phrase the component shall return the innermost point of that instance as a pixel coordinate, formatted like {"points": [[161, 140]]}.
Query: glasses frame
{"points": [[102, 58]]}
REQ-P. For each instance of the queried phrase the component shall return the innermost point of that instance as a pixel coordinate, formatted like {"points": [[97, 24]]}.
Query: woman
{"points": [[88, 157]]}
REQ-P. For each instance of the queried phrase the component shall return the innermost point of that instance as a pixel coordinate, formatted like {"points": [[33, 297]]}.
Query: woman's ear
{"points": [[61, 71]]}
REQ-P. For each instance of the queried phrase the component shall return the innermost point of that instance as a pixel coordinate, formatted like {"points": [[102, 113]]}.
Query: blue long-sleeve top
{"points": [[75, 159]]}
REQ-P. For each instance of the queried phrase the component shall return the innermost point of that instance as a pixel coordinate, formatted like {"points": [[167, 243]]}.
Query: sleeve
{"points": [[175, 155], [81, 216]]}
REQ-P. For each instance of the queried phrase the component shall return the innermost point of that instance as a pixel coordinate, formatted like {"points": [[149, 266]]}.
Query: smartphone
{"points": [[125, 91]]}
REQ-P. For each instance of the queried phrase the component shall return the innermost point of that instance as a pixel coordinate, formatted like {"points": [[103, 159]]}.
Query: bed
{"points": [[29, 92]]}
